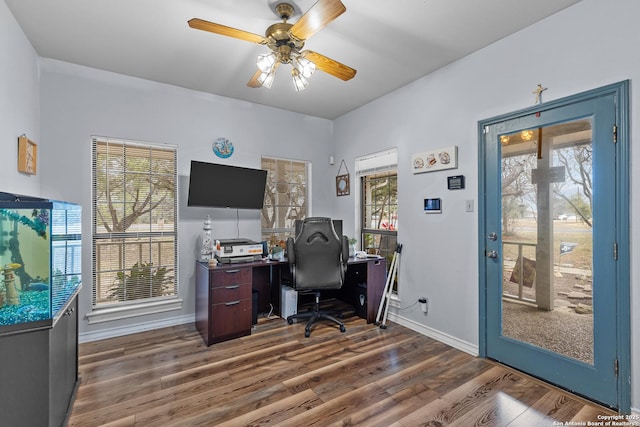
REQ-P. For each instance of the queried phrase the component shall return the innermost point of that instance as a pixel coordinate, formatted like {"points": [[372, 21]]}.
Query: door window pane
{"points": [[547, 238]]}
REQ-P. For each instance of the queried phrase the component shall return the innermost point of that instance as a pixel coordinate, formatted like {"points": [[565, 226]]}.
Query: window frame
{"points": [[378, 165], [158, 234], [276, 235]]}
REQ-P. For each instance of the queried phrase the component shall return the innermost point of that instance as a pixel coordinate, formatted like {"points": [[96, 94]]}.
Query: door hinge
{"points": [[616, 367], [615, 251], [485, 130], [615, 134]]}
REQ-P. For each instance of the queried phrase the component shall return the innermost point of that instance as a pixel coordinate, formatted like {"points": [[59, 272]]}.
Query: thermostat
{"points": [[455, 182], [432, 206]]}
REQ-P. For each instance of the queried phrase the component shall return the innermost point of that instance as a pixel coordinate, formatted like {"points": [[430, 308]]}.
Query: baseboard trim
{"points": [[134, 328], [435, 334]]}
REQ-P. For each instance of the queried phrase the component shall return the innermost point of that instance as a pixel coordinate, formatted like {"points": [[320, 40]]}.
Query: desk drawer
{"points": [[231, 319], [230, 293], [231, 276]]}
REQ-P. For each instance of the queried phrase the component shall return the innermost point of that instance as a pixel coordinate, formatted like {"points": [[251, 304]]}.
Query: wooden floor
{"points": [[365, 376]]}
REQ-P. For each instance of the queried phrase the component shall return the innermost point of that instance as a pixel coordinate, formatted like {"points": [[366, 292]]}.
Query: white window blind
{"points": [[383, 161], [286, 197], [134, 222]]}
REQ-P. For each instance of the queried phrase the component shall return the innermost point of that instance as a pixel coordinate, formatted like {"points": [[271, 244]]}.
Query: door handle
{"points": [[493, 236], [492, 254]]}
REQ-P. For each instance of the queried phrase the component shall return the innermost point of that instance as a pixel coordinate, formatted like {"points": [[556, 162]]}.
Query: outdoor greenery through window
{"points": [[134, 222], [286, 198], [379, 204]]}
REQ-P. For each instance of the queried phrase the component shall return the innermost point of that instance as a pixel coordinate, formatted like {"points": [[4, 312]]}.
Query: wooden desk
{"points": [[224, 293]]}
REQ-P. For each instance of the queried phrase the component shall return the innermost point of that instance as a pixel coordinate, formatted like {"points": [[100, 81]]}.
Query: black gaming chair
{"points": [[317, 260]]}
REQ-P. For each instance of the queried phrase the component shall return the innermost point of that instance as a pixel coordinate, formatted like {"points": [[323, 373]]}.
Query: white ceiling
{"points": [[389, 43]]}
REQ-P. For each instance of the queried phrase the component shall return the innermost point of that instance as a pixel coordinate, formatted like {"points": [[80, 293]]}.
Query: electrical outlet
{"points": [[424, 304]]}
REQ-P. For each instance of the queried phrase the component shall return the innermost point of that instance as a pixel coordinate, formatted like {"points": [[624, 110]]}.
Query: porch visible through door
{"points": [[547, 239]]}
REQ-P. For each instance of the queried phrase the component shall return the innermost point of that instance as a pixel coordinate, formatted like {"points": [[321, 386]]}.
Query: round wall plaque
{"points": [[223, 148]]}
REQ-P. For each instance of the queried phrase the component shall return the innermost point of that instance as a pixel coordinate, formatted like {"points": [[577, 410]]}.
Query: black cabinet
{"points": [[39, 372]]}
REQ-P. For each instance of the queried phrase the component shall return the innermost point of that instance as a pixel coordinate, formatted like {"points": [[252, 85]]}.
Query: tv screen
{"points": [[223, 186]]}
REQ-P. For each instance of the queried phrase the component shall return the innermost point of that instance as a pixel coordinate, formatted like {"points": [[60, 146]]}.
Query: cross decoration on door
{"points": [[342, 181]]}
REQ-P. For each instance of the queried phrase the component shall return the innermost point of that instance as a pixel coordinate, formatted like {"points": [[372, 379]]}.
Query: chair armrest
{"points": [[291, 252], [345, 251]]}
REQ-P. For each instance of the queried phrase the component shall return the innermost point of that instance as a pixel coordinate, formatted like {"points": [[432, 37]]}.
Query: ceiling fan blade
{"points": [[316, 18], [200, 24], [253, 82], [329, 65]]}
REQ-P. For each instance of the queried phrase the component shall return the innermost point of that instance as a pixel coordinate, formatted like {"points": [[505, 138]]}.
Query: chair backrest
{"points": [[337, 225], [317, 256]]}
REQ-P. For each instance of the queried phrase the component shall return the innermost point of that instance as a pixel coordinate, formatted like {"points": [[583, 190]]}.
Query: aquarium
{"points": [[40, 260]]}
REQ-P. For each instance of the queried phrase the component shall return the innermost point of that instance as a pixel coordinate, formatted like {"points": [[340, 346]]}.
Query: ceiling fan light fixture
{"points": [[266, 78], [266, 62], [299, 81], [305, 67]]}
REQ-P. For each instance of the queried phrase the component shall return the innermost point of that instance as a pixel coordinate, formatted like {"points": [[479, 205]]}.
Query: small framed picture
{"points": [[27, 155], [342, 185]]}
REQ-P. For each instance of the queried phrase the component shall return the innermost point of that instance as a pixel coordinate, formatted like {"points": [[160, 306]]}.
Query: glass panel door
{"points": [[547, 237], [549, 273]]}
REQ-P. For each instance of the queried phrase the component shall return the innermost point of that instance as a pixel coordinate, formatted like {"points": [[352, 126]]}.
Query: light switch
{"points": [[469, 204]]}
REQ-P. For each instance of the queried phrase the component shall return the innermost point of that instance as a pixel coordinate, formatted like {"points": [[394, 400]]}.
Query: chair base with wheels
{"points": [[315, 314]]}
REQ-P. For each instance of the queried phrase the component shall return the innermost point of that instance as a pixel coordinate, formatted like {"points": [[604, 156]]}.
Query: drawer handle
{"points": [[232, 271], [232, 287], [232, 303]]}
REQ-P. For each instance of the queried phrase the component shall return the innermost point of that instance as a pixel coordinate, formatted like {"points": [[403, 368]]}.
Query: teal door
{"points": [[552, 227]]}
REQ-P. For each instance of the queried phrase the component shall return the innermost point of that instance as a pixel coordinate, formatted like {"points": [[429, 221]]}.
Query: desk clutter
{"points": [[229, 251], [237, 251]]}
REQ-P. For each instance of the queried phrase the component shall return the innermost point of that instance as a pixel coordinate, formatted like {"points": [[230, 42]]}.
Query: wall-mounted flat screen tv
{"points": [[223, 186]]}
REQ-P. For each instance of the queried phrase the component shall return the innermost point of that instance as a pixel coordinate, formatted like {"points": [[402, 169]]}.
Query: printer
{"points": [[232, 251]]}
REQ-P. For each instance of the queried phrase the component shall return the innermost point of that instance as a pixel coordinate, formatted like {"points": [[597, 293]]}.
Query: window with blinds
{"points": [[134, 222], [286, 197], [379, 203]]}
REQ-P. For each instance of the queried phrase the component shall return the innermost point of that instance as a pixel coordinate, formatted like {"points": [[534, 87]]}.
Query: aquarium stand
{"points": [[40, 372], [40, 277]]}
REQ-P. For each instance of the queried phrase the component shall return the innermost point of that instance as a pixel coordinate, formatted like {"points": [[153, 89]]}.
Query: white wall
{"points": [[18, 103], [586, 46], [78, 102]]}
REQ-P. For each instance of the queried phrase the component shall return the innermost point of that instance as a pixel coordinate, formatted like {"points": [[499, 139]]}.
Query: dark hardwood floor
{"points": [[365, 376]]}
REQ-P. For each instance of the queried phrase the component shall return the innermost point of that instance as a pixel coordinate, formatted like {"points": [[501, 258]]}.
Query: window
{"points": [[379, 203], [286, 197], [134, 223]]}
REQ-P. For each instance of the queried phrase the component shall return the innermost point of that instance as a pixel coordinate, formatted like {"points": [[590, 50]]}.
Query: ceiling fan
{"points": [[286, 42]]}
